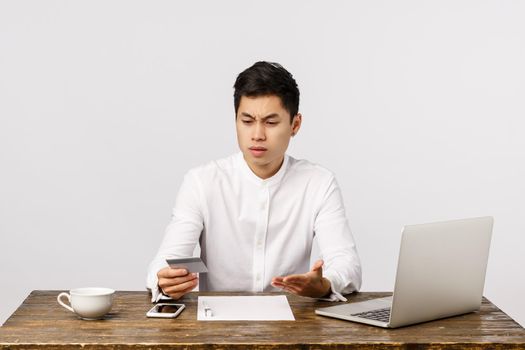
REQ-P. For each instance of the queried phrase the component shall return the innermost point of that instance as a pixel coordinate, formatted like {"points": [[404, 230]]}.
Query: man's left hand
{"points": [[311, 284]]}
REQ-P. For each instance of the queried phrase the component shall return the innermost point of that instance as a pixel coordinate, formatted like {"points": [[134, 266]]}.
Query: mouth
{"points": [[258, 151]]}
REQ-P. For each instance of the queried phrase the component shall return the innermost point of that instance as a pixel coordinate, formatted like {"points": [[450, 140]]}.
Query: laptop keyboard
{"points": [[382, 315]]}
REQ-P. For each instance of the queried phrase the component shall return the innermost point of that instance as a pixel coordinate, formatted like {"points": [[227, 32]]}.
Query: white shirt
{"points": [[251, 230]]}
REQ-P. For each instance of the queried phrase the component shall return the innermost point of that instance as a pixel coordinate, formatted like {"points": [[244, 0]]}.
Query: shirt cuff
{"points": [[334, 294], [152, 281], [156, 294]]}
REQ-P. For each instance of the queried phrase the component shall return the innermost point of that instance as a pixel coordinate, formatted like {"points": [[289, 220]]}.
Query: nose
{"points": [[258, 132]]}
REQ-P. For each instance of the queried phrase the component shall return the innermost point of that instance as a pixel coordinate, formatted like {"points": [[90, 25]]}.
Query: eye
{"points": [[272, 123], [247, 121]]}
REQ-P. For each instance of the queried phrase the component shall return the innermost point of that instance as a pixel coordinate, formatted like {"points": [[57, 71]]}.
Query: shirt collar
{"points": [[276, 178]]}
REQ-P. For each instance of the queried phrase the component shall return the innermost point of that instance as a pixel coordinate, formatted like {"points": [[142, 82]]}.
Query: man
{"points": [[255, 213]]}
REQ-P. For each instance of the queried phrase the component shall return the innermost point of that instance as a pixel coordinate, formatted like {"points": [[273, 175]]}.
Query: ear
{"points": [[296, 123]]}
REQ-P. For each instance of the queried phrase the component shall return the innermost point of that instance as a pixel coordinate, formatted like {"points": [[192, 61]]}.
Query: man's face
{"points": [[263, 132]]}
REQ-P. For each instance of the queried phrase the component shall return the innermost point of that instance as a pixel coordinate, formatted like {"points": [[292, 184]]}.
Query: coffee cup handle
{"points": [[59, 299]]}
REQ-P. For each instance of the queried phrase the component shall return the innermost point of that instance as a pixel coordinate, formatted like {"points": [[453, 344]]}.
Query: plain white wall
{"points": [[417, 106]]}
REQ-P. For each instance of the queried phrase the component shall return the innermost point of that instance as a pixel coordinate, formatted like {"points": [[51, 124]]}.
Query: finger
{"points": [[189, 289], [291, 276], [297, 286], [180, 287], [318, 265], [296, 279], [170, 273], [168, 282], [281, 285], [162, 272], [277, 279], [180, 294], [278, 284]]}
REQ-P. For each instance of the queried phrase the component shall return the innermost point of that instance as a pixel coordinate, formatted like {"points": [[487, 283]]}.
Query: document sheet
{"points": [[245, 308]]}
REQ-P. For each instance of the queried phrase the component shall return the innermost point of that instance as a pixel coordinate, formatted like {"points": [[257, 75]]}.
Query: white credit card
{"points": [[190, 264]]}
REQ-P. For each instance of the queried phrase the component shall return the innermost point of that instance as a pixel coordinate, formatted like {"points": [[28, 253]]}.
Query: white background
{"points": [[417, 106]]}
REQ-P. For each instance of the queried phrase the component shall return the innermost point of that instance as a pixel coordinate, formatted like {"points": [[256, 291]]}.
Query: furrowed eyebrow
{"points": [[273, 115]]}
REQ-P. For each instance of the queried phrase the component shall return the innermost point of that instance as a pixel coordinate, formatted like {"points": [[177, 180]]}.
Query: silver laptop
{"points": [[440, 273]]}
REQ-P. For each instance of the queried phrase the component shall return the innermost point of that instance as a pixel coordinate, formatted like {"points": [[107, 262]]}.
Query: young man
{"points": [[255, 213]]}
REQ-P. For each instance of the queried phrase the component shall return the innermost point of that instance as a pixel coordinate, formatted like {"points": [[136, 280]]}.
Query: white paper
{"points": [[245, 308]]}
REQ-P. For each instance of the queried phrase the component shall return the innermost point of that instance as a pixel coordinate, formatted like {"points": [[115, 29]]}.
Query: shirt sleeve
{"points": [[342, 266], [182, 233]]}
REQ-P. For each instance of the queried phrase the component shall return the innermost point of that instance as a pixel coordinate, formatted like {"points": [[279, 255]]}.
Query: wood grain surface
{"points": [[41, 323]]}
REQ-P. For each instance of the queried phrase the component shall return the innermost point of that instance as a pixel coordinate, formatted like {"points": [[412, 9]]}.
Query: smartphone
{"points": [[165, 310]]}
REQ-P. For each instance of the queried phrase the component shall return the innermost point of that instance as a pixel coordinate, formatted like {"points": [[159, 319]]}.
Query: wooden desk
{"points": [[41, 323]]}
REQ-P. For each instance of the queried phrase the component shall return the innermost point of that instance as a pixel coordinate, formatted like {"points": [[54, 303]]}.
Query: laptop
{"points": [[440, 273]]}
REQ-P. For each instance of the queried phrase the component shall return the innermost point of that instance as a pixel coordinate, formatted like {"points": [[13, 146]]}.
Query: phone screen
{"points": [[167, 309]]}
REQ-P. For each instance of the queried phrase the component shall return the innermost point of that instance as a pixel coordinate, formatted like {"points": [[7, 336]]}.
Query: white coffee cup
{"points": [[88, 303]]}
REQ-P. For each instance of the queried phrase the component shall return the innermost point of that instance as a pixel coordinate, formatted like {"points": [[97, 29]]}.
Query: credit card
{"points": [[190, 264]]}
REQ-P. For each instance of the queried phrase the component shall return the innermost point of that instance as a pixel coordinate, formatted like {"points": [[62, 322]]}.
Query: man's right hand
{"points": [[176, 282]]}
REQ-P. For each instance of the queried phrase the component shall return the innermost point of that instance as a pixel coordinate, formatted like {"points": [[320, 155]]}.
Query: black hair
{"points": [[267, 78]]}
